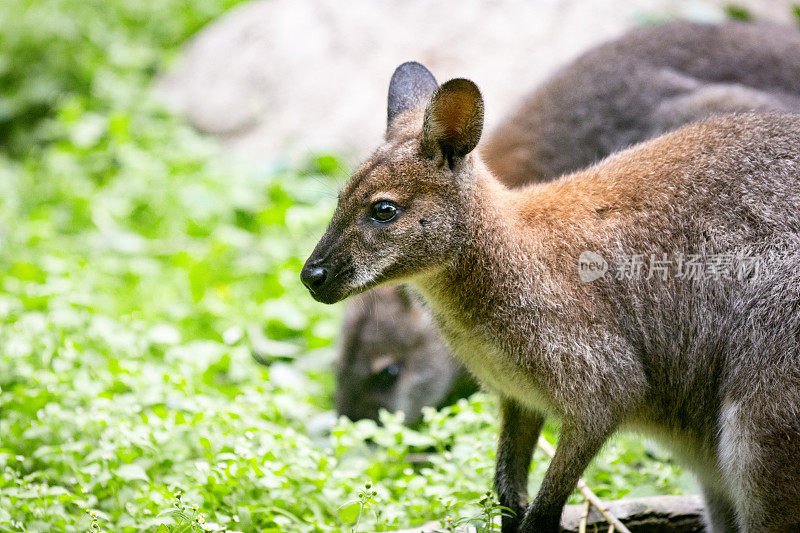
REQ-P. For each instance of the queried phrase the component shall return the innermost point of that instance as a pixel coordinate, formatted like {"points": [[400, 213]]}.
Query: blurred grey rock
{"points": [[283, 77]]}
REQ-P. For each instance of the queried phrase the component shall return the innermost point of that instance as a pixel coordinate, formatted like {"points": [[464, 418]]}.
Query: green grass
{"points": [[141, 270]]}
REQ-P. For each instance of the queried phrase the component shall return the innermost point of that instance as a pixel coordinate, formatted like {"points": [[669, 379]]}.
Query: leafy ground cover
{"points": [[162, 369]]}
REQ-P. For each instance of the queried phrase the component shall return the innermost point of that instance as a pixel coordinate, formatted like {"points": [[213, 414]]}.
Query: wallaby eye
{"points": [[383, 211], [387, 377]]}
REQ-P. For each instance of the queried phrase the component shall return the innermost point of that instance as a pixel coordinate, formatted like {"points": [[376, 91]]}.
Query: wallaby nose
{"points": [[314, 277]]}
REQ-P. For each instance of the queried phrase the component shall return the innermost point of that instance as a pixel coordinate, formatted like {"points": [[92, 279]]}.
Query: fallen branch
{"points": [[653, 514], [584, 517]]}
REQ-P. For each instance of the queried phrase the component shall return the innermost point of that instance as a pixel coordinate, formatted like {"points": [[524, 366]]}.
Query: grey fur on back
{"points": [[649, 81]]}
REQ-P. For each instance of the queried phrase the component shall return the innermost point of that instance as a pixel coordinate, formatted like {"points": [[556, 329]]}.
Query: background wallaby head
{"points": [[398, 215], [393, 358], [648, 81]]}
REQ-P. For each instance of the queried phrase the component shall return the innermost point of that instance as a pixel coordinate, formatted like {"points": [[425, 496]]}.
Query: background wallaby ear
{"points": [[411, 86], [453, 120]]}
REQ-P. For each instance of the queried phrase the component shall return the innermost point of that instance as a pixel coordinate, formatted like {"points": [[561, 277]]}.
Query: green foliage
{"points": [[143, 275], [52, 50], [487, 518], [737, 12]]}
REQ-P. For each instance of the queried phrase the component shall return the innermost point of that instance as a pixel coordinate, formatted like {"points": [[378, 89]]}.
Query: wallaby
{"points": [[707, 363], [393, 358], [613, 96]]}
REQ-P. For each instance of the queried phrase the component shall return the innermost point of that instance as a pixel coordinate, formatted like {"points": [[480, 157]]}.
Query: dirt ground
{"points": [[278, 78]]}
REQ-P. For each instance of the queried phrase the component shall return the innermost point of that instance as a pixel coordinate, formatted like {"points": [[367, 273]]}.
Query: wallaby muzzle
{"points": [[326, 274]]}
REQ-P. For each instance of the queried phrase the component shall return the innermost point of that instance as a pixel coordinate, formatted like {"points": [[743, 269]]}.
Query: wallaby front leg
{"points": [[519, 432], [576, 448]]}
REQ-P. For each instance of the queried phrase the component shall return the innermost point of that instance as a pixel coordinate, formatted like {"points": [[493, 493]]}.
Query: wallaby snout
{"points": [[329, 273], [314, 277]]}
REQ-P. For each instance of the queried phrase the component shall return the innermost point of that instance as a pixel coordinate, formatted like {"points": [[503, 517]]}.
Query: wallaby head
{"points": [[397, 217], [392, 358]]}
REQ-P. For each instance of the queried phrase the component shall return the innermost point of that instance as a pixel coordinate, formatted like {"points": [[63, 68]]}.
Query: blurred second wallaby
{"points": [[643, 84], [393, 358]]}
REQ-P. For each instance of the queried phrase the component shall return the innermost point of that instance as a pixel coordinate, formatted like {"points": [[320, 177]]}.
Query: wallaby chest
{"points": [[498, 370]]}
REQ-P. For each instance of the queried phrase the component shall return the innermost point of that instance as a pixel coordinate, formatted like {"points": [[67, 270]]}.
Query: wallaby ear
{"points": [[453, 120], [411, 86]]}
